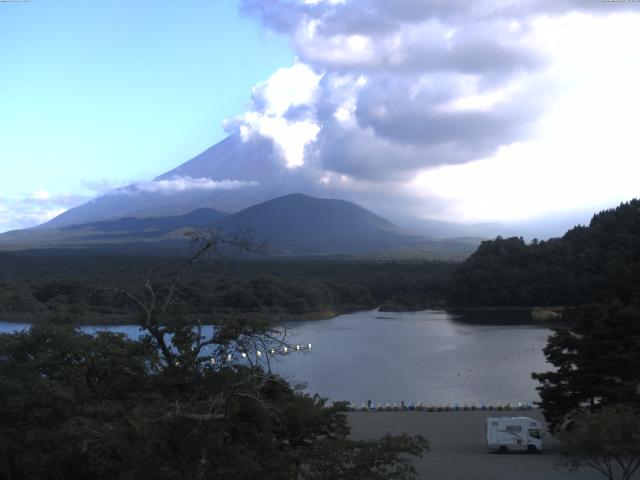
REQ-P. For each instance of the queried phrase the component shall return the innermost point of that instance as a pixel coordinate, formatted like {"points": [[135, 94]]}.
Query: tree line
{"points": [[588, 264], [42, 285]]}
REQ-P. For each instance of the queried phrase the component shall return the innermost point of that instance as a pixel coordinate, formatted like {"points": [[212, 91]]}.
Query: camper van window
{"points": [[495, 424], [514, 428], [534, 434]]}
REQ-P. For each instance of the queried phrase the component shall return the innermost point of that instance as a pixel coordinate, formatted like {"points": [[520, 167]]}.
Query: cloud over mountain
{"points": [[437, 109], [405, 85], [182, 184], [382, 93]]}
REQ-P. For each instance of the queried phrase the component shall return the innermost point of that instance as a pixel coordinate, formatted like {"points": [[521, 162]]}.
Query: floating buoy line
{"points": [[244, 353], [286, 349], [424, 407]]}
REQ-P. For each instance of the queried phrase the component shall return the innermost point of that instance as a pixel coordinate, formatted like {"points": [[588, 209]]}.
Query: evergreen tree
{"points": [[597, 263], [597, 363]]}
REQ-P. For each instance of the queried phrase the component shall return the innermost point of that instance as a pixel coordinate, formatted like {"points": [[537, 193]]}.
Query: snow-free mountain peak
{"points": [[308, 224]]}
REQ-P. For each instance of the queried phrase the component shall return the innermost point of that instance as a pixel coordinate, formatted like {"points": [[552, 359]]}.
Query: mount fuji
{"points": [[228, 177], [235, 184]]}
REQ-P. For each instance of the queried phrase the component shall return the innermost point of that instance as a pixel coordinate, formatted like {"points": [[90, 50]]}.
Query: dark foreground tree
{"points": [[607, 440], [74, 405], [597, 364], [183, 402]]}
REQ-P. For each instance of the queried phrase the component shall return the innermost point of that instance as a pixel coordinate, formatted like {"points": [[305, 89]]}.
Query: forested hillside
{"points": [[37, 286], [588, 264]]}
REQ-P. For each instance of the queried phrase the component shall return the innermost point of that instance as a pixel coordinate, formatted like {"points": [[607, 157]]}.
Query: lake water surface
{"points": [[432, 357]]}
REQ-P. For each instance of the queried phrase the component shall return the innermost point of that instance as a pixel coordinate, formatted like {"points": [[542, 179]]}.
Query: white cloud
{"points": [[182, 184], [4, 218], [410, 87], [102, 186], [47, 214], [287, 88], [33, 209], [585, 155], [274, 114], [41, 195], [489, 111]]}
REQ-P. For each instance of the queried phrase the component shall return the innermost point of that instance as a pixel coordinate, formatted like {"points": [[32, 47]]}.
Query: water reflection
{"points": [[497, 317], [432, 356]]}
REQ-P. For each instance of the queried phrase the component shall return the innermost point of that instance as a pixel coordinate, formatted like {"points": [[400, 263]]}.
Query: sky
{"points": [[470, 112], [95, 95]]}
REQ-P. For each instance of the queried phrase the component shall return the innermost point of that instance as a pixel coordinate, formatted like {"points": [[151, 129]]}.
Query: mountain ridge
{"points": [[236, 175], [197, 217], [294, 225], [299, 221]]}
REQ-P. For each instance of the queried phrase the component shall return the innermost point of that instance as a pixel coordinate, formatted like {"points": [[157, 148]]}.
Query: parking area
{"points": [[458, 446]]}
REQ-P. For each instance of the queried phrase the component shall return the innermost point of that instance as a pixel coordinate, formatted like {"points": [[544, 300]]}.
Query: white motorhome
{"points": [[514, 433]]}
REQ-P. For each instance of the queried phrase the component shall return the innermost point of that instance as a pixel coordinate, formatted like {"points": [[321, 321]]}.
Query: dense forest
{"points": [[592, 263], [177, 403], [38, 286]]}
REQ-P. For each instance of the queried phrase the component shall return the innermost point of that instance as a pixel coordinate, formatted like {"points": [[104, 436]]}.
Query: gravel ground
{"points": [[458, 446]]}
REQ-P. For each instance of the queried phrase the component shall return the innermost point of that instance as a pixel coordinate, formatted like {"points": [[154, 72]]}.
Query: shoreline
{"points": [[555, 308], [114, 320], [538, 314]]}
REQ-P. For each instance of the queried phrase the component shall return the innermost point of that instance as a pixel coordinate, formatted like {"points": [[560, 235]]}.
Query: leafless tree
{"points": [[232, 342]]}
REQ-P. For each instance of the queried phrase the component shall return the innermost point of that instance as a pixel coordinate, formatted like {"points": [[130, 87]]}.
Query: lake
{"points": [[432, 357]]}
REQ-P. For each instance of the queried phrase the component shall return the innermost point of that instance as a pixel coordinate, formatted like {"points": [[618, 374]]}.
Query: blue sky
{"points": [[115, 91]]}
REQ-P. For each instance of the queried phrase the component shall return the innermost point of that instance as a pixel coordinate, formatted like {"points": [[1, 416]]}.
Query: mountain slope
{"points": [[302, 223], [293, 224], [232, 175], [237, 175], [230, 159], [132, 225], [588, 264]]}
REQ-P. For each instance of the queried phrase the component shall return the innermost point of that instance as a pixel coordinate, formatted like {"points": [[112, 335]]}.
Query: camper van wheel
{"points": [[502, 449], [532, 449]]}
